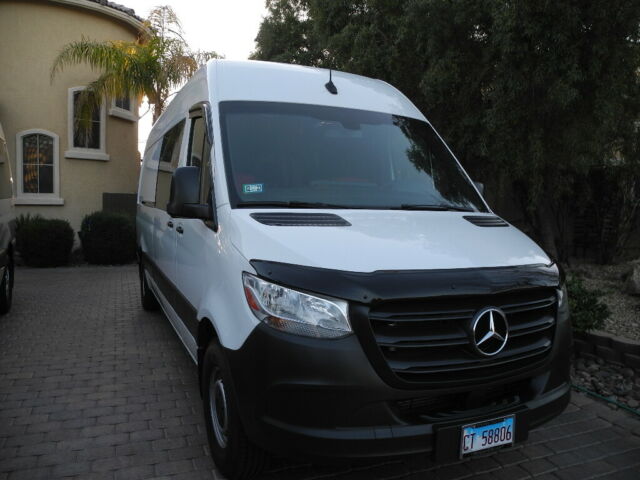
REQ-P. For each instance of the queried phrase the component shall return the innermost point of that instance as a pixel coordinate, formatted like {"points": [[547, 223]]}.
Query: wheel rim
{"points": [[218, 409]]}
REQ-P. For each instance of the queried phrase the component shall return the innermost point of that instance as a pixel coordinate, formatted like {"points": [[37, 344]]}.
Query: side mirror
{"points": [[184, 200], [480, 187]]}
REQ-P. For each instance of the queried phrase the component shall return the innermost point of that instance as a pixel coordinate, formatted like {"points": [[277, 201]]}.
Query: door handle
{"points": [[170, 224], [179, 229]]}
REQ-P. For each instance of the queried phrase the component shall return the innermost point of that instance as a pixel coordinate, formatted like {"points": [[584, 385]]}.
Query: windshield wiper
{"points": [[443, 208], [289, 204]]}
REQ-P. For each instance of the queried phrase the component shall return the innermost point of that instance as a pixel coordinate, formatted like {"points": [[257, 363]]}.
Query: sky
{"points": [[227, 26]]}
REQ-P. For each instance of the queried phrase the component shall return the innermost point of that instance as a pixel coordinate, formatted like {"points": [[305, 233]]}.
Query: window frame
{"points": [[201, 112], [38, 198], [123, 113], [162, 165], [203, 109], [81, 152]]}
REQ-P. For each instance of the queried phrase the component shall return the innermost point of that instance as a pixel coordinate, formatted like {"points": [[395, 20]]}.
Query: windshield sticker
{"points": [[252, 188]]}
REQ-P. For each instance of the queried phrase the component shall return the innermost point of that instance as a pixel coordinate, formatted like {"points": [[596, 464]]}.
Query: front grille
{"points": [[428, 340]]}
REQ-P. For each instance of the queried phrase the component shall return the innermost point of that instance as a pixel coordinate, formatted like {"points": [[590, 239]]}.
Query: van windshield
{"points": [[305, 156]]}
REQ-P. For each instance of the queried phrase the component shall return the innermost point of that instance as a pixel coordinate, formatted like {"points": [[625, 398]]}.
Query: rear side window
{"points": [[167, 163], [150, 174]]}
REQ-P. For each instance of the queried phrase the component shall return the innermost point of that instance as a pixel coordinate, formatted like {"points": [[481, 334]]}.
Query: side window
{"points": [[167, 163], [150, 174], [200, 156]]}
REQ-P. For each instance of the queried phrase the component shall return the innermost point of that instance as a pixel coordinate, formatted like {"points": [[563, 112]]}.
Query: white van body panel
{"points": [[387, 240], [220, 288]]}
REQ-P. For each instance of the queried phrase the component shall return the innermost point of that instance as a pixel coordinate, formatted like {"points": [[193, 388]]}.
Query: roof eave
{"points": [[133, 22]]}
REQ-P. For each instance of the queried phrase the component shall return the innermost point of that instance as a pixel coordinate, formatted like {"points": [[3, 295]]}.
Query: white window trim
{"points": [[121, 112], [85, 153], [38, 198]]}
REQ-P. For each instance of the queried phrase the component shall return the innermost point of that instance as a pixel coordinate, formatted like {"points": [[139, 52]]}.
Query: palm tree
{"points": [[155, 65]]}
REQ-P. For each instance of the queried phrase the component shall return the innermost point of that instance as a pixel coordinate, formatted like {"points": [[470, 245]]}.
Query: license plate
{"points": [[484, 435]]}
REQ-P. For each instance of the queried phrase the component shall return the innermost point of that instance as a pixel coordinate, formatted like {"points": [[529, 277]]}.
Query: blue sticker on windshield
{"points": [[252, 188]]}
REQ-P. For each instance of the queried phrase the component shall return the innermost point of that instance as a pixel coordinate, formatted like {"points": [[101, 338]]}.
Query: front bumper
{"points": [[322, 399]]}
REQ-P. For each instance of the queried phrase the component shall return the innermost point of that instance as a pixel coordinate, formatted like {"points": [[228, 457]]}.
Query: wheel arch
{"points": [[206, 333]]}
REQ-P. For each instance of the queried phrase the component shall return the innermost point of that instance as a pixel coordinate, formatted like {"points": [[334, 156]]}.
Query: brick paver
{"points": [[91, 386]]}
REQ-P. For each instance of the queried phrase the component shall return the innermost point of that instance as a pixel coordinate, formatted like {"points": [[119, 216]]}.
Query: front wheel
{"points": [[231, 450], [6, 288]]}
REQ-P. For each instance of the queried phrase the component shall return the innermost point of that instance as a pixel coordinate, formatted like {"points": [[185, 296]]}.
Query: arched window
{"points": [[37, 168]]}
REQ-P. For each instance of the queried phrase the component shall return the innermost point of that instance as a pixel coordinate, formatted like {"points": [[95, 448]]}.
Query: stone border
{"points": [[608, 347]]}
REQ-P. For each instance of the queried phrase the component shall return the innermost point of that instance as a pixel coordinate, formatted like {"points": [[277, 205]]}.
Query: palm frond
{"points": [[99, 55], [156, 64]]}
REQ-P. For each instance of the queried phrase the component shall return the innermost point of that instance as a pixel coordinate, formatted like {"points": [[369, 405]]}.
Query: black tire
{"points": [[149, 300], [6, 288], [233, 453]]}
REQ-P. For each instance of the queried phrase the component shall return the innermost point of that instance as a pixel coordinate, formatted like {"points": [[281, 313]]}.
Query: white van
{"points": [[341, 284], [7, 229]]}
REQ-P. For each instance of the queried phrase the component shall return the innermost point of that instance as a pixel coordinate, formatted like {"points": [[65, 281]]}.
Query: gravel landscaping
{"points": [[615, 382]]}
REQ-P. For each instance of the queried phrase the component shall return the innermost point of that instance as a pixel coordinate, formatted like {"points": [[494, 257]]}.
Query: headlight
{"points": [[296, 312]]}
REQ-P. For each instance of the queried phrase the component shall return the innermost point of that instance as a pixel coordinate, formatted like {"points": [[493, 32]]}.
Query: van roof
{"points": [[279, 82], [251, 80]]}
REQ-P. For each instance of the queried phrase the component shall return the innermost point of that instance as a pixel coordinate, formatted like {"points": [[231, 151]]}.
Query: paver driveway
{"points": [[91, 386]]}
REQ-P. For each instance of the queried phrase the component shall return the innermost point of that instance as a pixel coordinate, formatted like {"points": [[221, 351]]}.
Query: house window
{"points": [[37, 163], [85, 136], [122, 107], [123, 103], [85, 141], [37, 168]]}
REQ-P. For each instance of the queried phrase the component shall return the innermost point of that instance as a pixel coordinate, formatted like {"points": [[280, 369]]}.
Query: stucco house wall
{"points": [[32, 33]]}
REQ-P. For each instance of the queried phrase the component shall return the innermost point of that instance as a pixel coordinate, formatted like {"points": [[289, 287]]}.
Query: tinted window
{"points": [[150, 174], [278, 152], [168, 162], [200, 156]]}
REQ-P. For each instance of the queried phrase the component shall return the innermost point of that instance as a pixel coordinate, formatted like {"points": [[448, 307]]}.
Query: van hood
{"points": [[384, 240]]}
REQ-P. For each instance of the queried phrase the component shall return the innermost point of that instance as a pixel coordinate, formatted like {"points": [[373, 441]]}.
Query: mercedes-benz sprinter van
{"points": [[341, 284], [7, 229]]}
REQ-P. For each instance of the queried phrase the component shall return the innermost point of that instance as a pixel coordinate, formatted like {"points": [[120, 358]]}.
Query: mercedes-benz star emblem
{"points": [[490, 331]]}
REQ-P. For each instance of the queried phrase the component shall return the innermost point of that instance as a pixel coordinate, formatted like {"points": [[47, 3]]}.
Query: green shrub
{"points": [[21, 221], [587, 311], [108, 238], [43, 242]]}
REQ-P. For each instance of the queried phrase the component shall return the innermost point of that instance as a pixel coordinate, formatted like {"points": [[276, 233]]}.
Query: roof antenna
{"points": [[330, 85]]}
